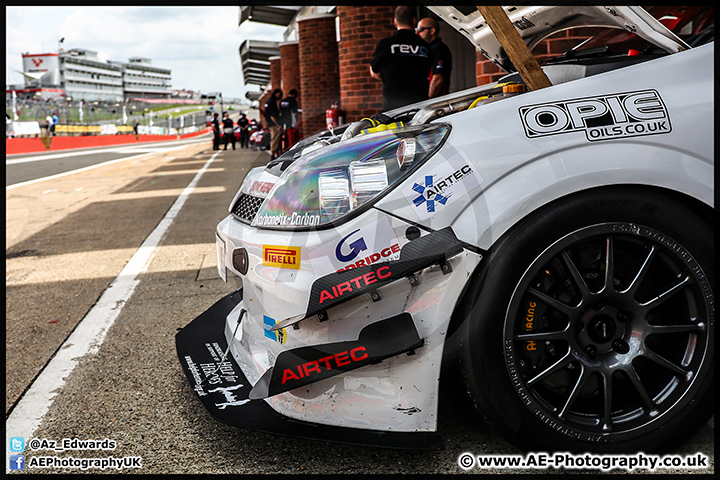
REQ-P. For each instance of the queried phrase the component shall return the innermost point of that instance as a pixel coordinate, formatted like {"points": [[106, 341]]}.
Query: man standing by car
{"points": [[228, 130], [288, 117], [272, 117], [243, 125], [440, 57], [401, 61], [215, 123]]}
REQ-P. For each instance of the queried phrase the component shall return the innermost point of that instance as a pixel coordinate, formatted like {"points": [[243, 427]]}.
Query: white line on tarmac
{"points": [[30, 182], [89, 334]]}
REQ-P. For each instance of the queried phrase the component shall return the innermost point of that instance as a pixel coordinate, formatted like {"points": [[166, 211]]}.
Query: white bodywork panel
{"points": [[521, 174]]}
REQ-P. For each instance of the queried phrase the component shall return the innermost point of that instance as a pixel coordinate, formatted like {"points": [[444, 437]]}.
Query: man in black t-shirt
{"points": [[272, 117], [216, 131], [243, 124], [401, 61], [228, 130], [289, 109], [440, 57]]}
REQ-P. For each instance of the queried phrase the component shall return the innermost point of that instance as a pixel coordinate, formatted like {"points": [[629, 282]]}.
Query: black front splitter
{"points": [[223, 390]]}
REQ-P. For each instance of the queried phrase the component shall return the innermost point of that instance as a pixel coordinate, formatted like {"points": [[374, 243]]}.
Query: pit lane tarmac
{"points": [[69, 239]]}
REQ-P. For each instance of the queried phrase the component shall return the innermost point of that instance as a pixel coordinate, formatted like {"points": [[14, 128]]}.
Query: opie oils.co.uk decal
{"points": [[619, 115]]}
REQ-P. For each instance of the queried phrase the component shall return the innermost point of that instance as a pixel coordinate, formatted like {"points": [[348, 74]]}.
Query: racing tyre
{"points": [[593, 329]]}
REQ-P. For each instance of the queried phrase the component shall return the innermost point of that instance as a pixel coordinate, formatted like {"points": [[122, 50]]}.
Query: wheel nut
{"points": [[620, 346], [625, 317], [591, 350]]}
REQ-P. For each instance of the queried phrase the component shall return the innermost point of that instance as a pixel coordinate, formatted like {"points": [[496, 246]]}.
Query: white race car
{"points": [[556, 245]]}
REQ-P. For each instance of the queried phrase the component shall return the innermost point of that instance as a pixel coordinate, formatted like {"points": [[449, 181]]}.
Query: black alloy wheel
{"points": [[607, 338]]}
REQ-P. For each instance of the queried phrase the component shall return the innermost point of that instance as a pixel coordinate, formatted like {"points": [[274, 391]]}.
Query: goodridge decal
{"points": [[282, 257], [370, 243], [605, 117], [438, 189]]}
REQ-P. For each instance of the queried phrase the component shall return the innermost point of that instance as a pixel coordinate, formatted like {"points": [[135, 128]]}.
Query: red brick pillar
{"points": [[360, 30], [275, 72], [290, 67], [319, 78]]}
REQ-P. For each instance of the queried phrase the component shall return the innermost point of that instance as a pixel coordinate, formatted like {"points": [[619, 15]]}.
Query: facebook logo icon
{"points": [[17, 462], [17, 444]]}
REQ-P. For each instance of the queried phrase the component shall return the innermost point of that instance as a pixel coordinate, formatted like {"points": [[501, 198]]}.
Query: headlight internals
{"points": [[327, 184]]}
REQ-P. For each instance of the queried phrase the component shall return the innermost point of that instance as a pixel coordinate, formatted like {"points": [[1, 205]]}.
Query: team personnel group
{"points": [[413, 65]]}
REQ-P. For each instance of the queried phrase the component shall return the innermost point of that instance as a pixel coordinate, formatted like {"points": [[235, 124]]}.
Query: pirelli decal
{"points": [[605, 117], [282, 257]]}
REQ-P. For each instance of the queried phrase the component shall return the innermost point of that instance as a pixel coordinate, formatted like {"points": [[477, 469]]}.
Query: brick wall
{"points": [[561, 42], [290, 68], [319, 77], [275, 72], [360, 30]]}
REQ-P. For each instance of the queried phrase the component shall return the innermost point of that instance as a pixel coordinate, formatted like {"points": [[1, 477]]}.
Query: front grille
{"points": [[247, 207]]}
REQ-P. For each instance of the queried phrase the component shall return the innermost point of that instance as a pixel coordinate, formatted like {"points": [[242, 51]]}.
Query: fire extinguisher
{"points": [[334, 117]]}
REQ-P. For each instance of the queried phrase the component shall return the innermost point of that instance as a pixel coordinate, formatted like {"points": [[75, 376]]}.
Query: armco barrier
{"points": [[35, 144]]}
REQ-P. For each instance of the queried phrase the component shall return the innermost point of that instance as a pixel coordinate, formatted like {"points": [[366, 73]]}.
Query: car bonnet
{"points": [[535, 23]]}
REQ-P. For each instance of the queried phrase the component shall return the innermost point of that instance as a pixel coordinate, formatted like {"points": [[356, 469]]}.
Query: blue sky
{"points": [[199, 44]]}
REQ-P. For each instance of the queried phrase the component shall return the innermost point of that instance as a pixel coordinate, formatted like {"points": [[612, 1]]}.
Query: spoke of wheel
{"points": [[660, 329], [644, 268], [552, 302], [635, 380], [575, 274], [609, 265], [564, 360], [579, 383], [542, 336], [655, 302], [663, 362], [607, 379]]}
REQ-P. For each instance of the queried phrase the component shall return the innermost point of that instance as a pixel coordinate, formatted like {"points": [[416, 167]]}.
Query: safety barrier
{"points": [[45, 143]]}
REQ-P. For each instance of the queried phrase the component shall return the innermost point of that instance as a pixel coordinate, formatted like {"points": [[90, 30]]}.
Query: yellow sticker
{"points": [[281, 257]]}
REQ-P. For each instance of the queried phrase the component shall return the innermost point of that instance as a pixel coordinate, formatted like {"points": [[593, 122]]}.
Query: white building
{"points": [[80, 73], [141, 79], [84, 75]]}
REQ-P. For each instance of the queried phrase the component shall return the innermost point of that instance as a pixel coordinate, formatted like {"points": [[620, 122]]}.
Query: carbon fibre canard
{"points": [[339, 287]]}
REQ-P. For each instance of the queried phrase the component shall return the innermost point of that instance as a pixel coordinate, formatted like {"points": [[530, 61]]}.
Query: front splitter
{"points": [[223, 390]]}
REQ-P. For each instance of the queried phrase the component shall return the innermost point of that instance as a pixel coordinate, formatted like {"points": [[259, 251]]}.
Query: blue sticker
{"points": [[279, 336]]}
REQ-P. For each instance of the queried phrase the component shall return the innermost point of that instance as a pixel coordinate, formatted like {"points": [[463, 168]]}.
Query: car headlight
{"points": [[327, 184]]}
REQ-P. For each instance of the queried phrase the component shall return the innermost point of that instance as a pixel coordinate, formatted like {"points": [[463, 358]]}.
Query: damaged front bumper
{"points": [[318, 352], [225, 392]]}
